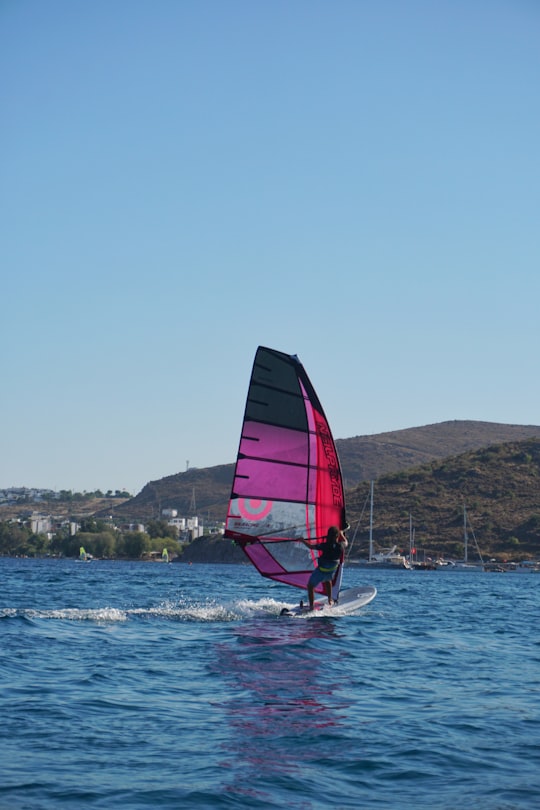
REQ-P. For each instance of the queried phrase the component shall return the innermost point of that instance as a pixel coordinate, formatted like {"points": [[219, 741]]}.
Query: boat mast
{"points": [[371, 523], [465, 535]]}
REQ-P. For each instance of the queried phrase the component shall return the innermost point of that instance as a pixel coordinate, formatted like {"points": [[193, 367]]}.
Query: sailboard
{"points": [[287, 483], [349, 600]]}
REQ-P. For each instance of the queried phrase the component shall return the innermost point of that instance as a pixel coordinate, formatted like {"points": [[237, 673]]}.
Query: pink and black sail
{"points": [[287, 482]]}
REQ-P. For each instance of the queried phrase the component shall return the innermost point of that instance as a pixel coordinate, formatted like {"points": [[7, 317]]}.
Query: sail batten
{"points": [[287, 483]]}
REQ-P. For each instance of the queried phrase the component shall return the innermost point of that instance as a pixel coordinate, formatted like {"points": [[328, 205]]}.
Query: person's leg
{"points": [[311, 595], [328, 589]]}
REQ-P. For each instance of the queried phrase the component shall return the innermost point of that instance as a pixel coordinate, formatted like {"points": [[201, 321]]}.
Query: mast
{"points": [[371, 523], [465, 535]]}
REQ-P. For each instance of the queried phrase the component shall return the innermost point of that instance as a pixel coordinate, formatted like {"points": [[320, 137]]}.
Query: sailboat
{"points": [[414, 562], [464, 564], [391, 559], [287, 483]]}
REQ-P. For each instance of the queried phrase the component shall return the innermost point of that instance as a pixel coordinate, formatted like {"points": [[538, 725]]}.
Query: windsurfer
{"points": [[328, 562]]}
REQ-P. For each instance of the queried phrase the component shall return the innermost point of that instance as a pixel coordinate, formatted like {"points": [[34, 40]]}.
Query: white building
{"points": [[187, 525], [39, 524]]}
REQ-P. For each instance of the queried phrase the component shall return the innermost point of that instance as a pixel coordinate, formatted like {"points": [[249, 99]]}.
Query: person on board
{"points": [[328, 562]]}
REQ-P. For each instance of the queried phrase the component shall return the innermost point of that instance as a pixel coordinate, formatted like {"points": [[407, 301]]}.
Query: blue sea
{"points": [[142, 685]]}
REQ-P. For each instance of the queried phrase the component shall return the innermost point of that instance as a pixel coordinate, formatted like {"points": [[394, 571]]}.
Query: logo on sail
{"points": [[254, 508]]}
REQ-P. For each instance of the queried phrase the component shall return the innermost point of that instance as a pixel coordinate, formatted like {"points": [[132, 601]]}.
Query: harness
{"points": [[327, 569], [330, 558]]}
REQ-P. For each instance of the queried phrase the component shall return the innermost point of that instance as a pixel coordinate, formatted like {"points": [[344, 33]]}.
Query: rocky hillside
{"points": [[499, 486], [364, 458], [430, 472], [206, 491]]}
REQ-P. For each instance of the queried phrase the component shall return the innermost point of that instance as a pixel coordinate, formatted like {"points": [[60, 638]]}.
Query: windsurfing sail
{"points": [[165, 555], [287, 481], [82, 554]]}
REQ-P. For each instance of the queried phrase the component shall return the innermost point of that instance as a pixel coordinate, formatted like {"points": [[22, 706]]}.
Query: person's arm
{"points": [[310, 543]]}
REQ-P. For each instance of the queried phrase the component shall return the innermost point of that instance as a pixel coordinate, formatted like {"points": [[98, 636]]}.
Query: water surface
{"points": [[137, 685]]}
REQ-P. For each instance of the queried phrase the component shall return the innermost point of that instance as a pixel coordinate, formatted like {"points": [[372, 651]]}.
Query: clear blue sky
{"points": [[356, 182]]}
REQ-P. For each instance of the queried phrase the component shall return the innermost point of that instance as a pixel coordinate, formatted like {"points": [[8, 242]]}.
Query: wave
{"points": [[194, 612]]}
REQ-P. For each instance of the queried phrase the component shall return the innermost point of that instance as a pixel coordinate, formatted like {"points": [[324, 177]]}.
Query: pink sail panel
{"points": [[287, 483]]}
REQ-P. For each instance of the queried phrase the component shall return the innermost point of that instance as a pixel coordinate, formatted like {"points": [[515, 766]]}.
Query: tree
{"points": [[13, 538], [90, 524], [170, 543], [37, 544], [61, 541], [135, 544], [158, 528], [104, 544]]}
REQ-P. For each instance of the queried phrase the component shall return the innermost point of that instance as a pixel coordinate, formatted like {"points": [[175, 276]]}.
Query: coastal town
{"points": [[32, 526]]}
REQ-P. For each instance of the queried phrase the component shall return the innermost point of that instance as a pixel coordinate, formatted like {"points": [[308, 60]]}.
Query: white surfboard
{"points": [[349, 600]]}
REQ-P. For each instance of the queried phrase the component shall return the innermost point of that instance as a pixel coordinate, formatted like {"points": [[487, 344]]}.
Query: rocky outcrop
{"points": [[212, 548]]}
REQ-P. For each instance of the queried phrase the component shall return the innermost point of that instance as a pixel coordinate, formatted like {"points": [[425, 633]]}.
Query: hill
{"points": [[430, 472], [206, 491], [499, 485], [78, 510], [364, 458]]}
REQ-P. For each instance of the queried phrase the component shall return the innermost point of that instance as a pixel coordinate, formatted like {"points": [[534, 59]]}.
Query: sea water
{"points": [[140, 685]]}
